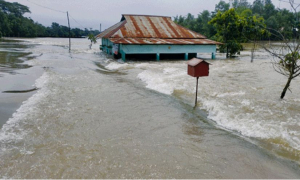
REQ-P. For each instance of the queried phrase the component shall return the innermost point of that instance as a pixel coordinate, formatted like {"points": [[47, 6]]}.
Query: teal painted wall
{"points": [[158, 49], [153, 49], [107, 46]]}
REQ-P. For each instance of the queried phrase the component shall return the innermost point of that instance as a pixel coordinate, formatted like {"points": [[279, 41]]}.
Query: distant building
{"points": [[153, 37]]}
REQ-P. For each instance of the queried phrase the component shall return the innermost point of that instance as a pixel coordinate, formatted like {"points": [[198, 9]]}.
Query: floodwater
{"points": [[95, 117]]}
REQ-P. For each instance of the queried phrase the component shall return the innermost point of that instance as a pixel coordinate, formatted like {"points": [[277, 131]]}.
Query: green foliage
{"points": [[229, 25], [286, 62], [290, 60], [258, 7], [222, 6], [254, 28], [13, 8], [13, 24], [93, 39], [199, 24], [280, 20]]}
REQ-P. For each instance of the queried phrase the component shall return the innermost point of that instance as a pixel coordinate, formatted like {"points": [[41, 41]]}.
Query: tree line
{"points": [[14, 24], [243, 22]]}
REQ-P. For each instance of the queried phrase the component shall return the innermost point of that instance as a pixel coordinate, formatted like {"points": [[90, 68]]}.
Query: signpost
{"points": [[197, 68]]}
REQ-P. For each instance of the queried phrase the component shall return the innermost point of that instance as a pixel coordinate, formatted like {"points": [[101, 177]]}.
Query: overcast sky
{"points": [[90, 13]]}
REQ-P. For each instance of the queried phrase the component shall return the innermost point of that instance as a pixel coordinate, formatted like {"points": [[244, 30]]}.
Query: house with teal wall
{"points": [[154, 37]]}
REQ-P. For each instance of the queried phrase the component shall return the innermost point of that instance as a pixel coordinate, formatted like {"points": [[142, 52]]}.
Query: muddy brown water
{"points": [[94, 117]]}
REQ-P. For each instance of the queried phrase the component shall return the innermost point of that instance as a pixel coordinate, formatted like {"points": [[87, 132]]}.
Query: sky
{"points": [[92, 13]]}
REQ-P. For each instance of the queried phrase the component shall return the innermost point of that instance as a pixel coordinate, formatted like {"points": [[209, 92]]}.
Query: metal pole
{"points": [[100, 27], [69, 32], [196, 92]]}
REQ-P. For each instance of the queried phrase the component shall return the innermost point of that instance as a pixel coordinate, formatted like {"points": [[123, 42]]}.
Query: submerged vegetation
{"points": [[93, 39], [14, 24]]}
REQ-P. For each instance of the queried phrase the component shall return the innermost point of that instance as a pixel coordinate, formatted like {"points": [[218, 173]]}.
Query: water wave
{"points": [[246, 102], [13, 129]]}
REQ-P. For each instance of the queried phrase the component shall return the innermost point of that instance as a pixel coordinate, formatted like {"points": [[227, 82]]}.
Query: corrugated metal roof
{"points": [[110, 31], [146, 29], [139, 26], [161, 41], [145, 26]]}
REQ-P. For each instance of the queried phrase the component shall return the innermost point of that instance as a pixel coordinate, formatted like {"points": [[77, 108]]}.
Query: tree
{"points": [[93, 39], [286, 58], [286, 61], [222, 6], [235, 4], [13, 8], [77, 32], [286, 19], [13, 24], [241, 5], [189, 21], [4, 24], [258, 7], [269, 9], [229, 26], [253, 30]]}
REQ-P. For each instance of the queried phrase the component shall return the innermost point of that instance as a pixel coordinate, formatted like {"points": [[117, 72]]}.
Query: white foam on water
{"points": [[245, 124], [12, 130], [254, 119], [155, 81], [117, 66], [231, 107], [170, 70], [142, 65], [246, 102], [166, 80], [231, 94]]}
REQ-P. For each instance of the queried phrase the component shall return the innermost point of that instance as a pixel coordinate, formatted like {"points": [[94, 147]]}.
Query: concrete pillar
{"points": [[186, 56], [157, 56], [213, 55], [123, 56]]}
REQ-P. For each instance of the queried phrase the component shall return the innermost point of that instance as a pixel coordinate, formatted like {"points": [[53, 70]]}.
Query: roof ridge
{"points": [[145, 15]]}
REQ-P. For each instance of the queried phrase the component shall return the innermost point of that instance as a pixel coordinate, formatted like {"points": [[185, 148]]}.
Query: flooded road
{"points": [[94, 117]]}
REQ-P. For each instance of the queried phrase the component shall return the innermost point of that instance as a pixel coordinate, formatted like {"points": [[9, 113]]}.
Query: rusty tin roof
{"points": [[110, 31], [146, 29], [140, 26], [161, 41]]}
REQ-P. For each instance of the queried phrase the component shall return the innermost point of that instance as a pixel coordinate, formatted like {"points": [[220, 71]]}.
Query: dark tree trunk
{"points": [[253, 50], [227, 52], [252, 55], [286, 87]]}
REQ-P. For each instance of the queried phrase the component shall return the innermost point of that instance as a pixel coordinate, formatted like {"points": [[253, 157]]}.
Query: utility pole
{"points": [[69, 32], [100, 27]]}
